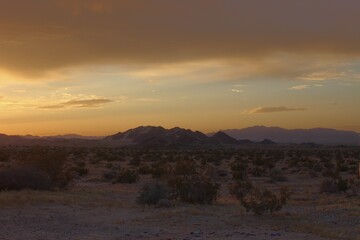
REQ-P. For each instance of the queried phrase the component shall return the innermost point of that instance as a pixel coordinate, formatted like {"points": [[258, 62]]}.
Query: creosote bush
{"points": [[188, 185], [152, 194], [159, 170], [24, 178], [239, 170], [277, 175], [330, 185], [126, 176], [109, 176], [259, 200], [51, 161]]}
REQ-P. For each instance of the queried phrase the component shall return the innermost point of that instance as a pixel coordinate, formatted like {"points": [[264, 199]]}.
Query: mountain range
{"points": [[323, 136], [152, 136]]}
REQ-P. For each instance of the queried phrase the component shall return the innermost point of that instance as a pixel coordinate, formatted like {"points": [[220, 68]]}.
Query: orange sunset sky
{"points": [[96, 67]]}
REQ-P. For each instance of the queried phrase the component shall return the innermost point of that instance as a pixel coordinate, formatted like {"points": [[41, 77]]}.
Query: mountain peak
{"points": [[223, 138]]}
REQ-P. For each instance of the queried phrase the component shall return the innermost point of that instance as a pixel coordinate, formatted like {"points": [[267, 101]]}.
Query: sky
{"points": [[97, 67]]}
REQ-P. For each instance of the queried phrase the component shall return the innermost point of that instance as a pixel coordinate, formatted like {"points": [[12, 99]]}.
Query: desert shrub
{"points": [[334, 185], [80, 171], [343, 167], [159, 170], [342, 184], [188, 185], [239, 170], [328, 186], [51, 161], [109, 176], [258, 171], [240, 189], [317, 168], [135, 161], [277, 175], [195, 188], [185, 167], [330, 173], [221, 173], [152, 193], [144, 169], [354, 187], [165, 203], [24, 178], [259, 200], [4, 156], [126, 176]]}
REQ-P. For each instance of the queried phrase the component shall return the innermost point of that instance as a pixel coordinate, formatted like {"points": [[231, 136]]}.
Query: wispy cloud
{"points": [[302, 87], [236, 90], [87, 103], [272, 110], [299, 87], [322, 76], [148, 100]]}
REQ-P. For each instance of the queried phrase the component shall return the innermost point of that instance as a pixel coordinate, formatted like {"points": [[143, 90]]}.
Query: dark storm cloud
{"points": [[42, 35]]}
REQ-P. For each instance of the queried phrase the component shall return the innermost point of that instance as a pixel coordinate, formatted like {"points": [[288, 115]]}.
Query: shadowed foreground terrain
{"points": [[96, 204]]}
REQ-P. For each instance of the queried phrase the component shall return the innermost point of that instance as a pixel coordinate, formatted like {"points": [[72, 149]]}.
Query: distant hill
{"points": [[223, 138], [159, 136], [324, 136], [75, 136]]}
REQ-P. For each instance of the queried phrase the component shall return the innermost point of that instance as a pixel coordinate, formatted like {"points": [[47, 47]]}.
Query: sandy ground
{"points": [[93, 209], [105, 211]]}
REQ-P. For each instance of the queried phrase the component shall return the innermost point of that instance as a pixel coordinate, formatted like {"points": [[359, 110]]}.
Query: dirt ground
{"points": [[92, 208], [97, 210]]}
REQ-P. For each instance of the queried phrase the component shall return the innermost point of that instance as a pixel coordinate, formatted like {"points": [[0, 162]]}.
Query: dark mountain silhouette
{"points": [[280, 135], [150, 136], [267, 142], [223, 138], [74, 136], [245, 142], [159, 136]]}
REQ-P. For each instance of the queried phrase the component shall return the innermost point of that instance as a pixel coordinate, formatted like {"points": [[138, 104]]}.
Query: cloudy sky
{"points": [[96, 67]]}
